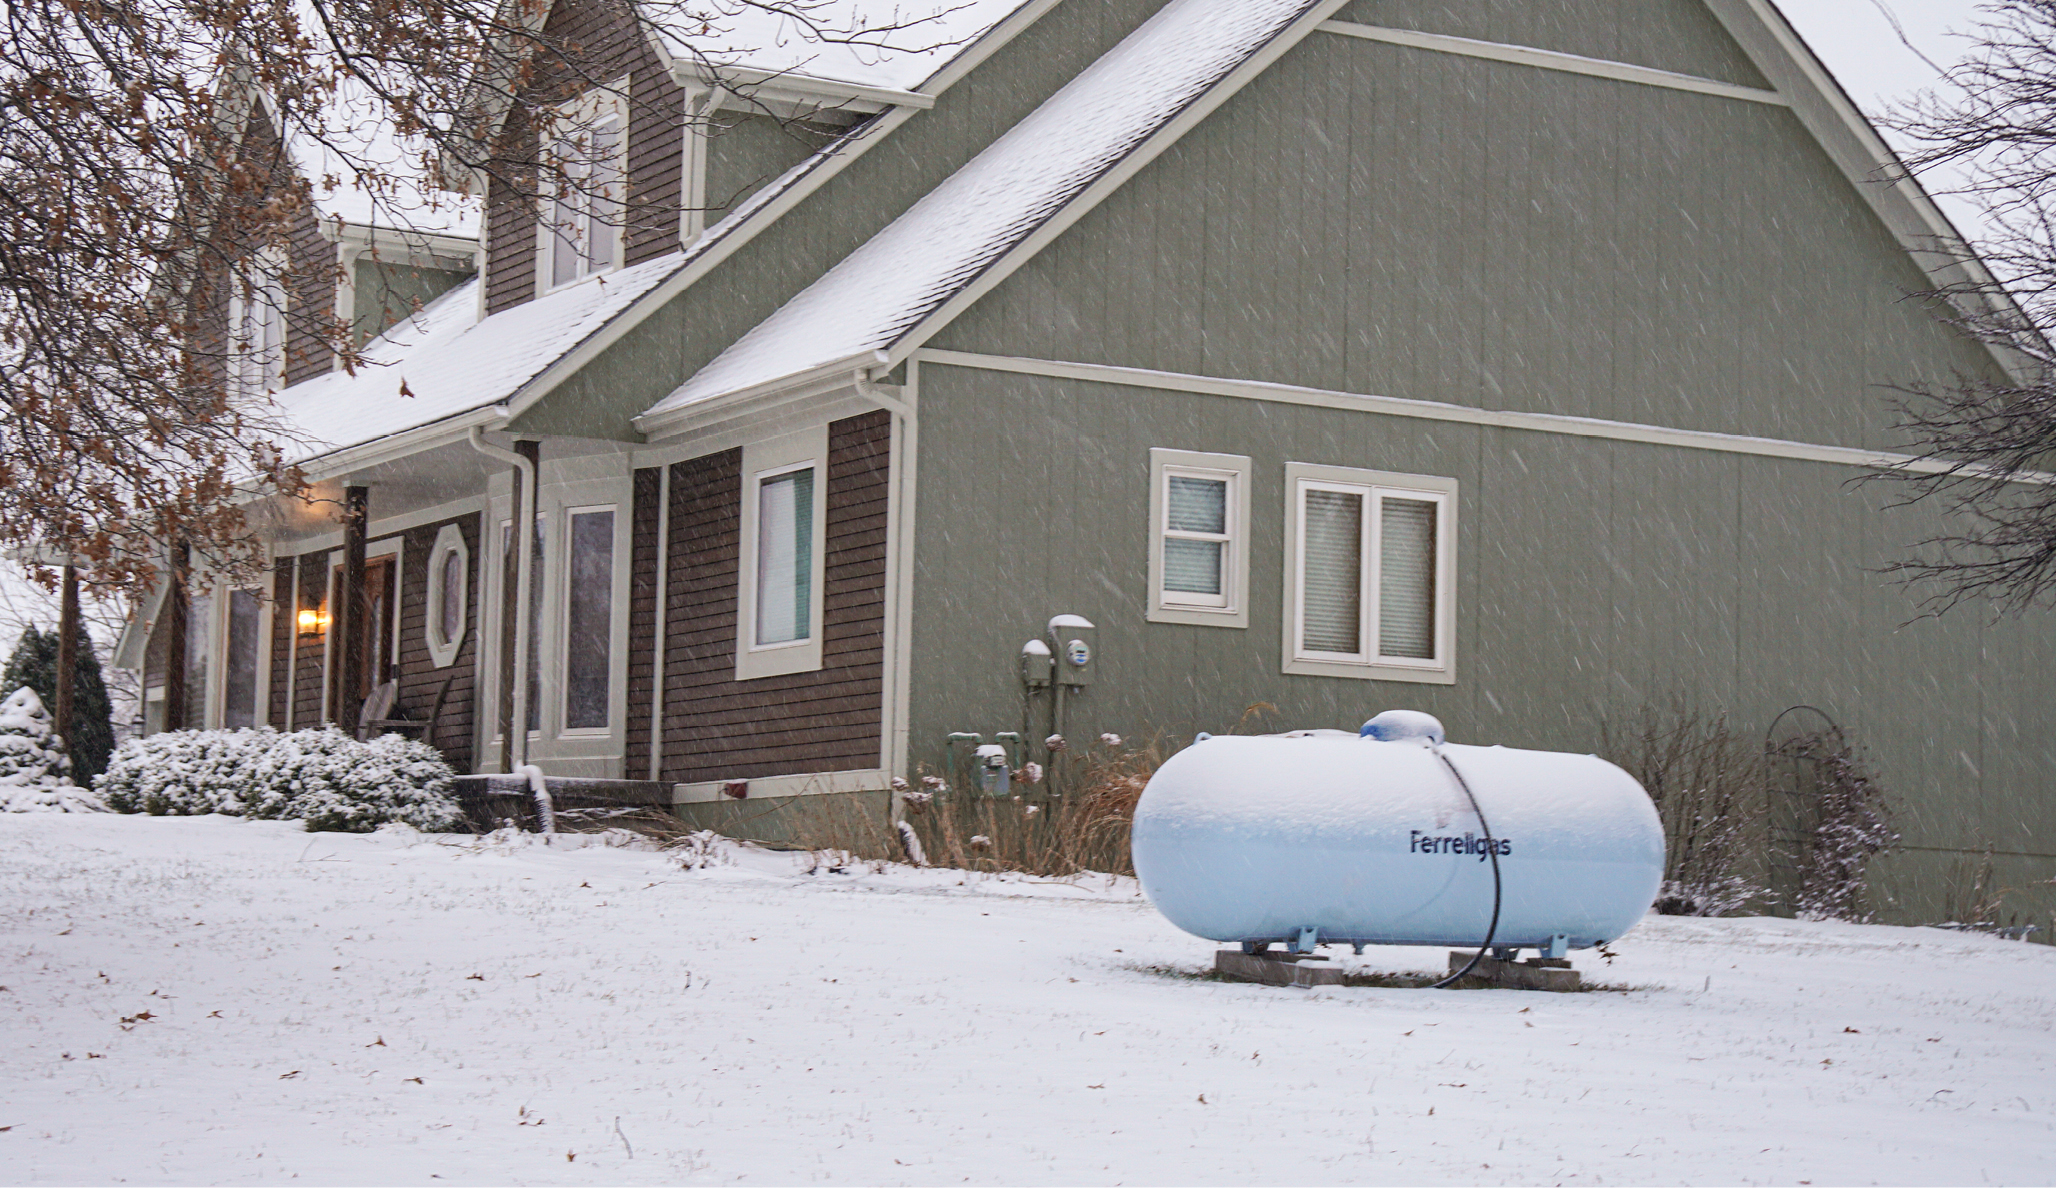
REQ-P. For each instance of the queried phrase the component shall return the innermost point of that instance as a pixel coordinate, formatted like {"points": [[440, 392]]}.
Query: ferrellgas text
{"points": [[1469, 843]]}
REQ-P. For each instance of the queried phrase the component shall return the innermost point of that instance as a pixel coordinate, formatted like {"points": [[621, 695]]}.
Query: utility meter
{"points": [[1074, 638], [1036, 663]]}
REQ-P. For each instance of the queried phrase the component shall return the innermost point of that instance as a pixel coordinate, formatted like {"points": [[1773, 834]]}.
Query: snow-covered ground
{"points": [[204, 1000]]}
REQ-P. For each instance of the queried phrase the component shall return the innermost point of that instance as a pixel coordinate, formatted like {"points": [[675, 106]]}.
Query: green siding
{"points": [[1595, 577], [388, 292], [1372, 218], [1677, 35], [1376, 219]]}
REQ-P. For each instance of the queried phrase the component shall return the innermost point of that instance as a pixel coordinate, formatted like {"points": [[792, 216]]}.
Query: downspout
{"points": [[524, 555]]}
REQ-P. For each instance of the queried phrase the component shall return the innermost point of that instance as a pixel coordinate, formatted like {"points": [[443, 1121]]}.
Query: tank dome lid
{"points": [[1399, 725]]}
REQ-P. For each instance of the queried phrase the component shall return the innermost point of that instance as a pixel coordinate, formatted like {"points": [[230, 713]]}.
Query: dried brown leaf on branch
{"points": [[152, 152]]}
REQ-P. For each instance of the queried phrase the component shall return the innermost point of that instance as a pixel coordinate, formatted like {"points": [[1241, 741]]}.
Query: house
{"points": [[1510, 362]]}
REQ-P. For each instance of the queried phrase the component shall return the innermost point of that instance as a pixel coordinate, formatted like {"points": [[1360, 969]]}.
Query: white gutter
{"points": [[524, 553], [406, 442]]}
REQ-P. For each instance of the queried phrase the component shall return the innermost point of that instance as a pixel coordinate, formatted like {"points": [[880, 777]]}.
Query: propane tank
{"points": [[1371, 839]]}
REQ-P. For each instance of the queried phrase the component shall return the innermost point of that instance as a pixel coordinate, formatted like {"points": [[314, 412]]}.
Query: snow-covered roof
{"points": [[448, 362], [944, 241], [908, 41], [357, 130]]}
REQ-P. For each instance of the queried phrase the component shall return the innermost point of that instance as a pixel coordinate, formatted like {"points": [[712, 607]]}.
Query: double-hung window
{"points": [[1370, 574], [257, 327], [1199, 547], [784, 504], [586, 153]]}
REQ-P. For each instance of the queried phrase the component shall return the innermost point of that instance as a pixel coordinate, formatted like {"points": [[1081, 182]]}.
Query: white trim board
{"points": [[766, 787], [1435, 410], [1521, 55]]}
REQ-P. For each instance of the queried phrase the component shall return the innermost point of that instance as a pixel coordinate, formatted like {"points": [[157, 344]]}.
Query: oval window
{"points": [[449, 569]]}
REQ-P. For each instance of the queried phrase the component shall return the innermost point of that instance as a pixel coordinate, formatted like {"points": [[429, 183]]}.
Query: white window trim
{"points": [[595, 105], [616, 615], [448, 539], [1372, 484], [768, 460], [1168, 607]]}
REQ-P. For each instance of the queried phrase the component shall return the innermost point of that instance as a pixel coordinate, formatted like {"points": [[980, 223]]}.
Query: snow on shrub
{"points": [[337, 784], [35, 772], [183, 773], [326, 778]]}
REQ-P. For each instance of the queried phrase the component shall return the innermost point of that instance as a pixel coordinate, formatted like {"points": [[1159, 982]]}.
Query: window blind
{"points": [[1331, 594], [1406, 583], [1195, 505]]}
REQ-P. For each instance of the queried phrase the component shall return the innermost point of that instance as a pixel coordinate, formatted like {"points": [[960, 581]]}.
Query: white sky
{"points": [[1858, 41]]}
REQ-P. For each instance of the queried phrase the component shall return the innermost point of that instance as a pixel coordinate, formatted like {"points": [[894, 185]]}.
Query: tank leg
{"points": [[1559, 946], [1308, 938], [1255, 947], [1505, 952], [1358, 946]]}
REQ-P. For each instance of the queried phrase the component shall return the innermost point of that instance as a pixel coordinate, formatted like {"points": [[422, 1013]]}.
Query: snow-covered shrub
{"points": [[1709, 787], [182, 773], [35, 773], [340, 785], [324, 777], [1849, 825]]}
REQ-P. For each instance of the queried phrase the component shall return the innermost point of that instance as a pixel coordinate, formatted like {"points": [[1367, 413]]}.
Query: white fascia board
{"points": [[416, 244], [1113, 179], [1894, 195], [815, 381], [1435, 410], [129, 646], [396, 446], [1554, 60], [786, 85]]}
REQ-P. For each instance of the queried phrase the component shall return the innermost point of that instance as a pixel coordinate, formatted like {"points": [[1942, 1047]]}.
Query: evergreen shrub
{"points": [[323, 777], [34, 665]]}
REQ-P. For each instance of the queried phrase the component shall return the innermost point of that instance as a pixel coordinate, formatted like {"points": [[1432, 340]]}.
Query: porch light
{"points": [[313, 621]]}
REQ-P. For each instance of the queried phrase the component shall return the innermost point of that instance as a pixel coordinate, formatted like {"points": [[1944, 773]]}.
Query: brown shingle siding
{"points": [[601, 33], [716, 727]]}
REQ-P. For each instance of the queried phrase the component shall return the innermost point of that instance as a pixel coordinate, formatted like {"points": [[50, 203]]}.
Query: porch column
{"points": [[353, 614], [67, 654], [521, 545], [173, 618]]}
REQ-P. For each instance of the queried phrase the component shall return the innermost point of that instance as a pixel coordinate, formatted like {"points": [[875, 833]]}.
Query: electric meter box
{"points": [[1075, 641]]}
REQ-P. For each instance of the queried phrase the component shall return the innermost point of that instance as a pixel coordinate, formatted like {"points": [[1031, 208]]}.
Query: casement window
{"points": [[257, 327], [585, 186], [588, 617], [784, 537], [1370, 568], [1199, 538], [449, 595]]}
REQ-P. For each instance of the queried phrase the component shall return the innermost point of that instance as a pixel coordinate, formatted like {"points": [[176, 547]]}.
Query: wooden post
{"points": [[173, 617], [67, 654], [349, 700]]}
